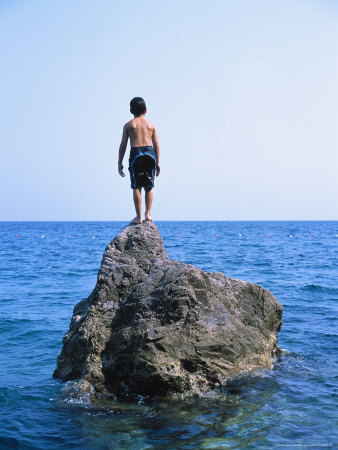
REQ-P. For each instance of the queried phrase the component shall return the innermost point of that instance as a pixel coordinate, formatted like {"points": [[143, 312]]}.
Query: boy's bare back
{"points": [[141, 132]]}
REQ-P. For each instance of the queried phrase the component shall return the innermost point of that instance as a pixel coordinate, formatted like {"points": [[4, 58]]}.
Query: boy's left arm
{"points": [[122, 150]]}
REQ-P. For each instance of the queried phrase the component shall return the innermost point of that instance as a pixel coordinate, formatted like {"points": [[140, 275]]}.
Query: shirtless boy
{"points": [[144, 159]]}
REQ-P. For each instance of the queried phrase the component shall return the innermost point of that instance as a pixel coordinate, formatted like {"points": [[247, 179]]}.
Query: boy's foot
{"points": [[135, 221], [148, 218]]}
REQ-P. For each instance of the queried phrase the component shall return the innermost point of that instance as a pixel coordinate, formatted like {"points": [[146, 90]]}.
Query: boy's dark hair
{"points": [[137, 106]]}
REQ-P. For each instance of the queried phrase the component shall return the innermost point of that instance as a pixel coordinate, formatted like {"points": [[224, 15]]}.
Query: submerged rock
{"points": [[155, 326]]}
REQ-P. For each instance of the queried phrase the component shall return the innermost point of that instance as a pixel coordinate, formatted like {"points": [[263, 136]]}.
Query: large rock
{"points": [[160, 327]]}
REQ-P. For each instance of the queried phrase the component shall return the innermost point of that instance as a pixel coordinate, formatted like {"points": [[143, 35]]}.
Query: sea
{"points": [[47, 267]]}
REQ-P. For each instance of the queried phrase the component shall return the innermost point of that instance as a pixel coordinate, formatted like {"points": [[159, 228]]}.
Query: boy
{"points": [[144, 157]]}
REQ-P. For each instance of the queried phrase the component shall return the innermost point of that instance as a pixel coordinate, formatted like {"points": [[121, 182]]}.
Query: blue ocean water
{"points": [[47, 267]]}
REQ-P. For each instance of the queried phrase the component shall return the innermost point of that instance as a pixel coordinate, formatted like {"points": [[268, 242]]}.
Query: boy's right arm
{"points": [[156, 146], [122, 150]]}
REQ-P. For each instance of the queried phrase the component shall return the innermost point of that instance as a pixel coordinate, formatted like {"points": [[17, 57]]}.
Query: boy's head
{"points": [[138, 106]]}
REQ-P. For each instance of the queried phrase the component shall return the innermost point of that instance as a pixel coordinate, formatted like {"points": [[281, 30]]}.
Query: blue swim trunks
{"points": [[142, 167]]}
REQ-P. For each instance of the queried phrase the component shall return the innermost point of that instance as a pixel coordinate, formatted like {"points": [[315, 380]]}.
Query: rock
{"points": [[155, 326]]}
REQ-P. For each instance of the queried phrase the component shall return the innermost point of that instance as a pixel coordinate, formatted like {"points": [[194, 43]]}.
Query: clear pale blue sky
{"points": [[244, 94]]}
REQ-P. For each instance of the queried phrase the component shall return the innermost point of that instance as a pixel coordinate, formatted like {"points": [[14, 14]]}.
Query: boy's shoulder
{"points": [[149, 124], [128, 124]]}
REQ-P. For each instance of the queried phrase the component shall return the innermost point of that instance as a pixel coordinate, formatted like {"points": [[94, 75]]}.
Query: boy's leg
{"points": [[138, 206], [149, 201]]}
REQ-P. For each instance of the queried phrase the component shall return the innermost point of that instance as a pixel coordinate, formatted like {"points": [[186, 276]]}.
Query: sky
{"points": [[243, 94]]}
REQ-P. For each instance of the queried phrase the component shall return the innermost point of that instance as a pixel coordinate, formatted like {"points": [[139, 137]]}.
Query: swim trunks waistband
{"points": [[143, 147]]}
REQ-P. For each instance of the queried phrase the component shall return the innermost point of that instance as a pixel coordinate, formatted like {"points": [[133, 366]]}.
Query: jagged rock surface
{"points": [[155, 326]]}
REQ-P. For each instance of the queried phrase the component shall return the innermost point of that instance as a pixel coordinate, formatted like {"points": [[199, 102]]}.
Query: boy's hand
{"points": [[158, 170], [120, 168]]}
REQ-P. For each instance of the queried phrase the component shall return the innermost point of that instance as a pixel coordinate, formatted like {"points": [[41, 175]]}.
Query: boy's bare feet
{"points": [[148, 218], [135, 221]]}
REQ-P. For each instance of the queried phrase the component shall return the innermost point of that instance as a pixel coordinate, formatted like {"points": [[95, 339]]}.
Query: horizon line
{"points": [[183, 220]]}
